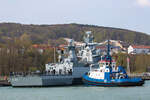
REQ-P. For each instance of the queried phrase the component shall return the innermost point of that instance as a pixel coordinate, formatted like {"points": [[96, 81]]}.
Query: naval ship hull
{"points": [[40, 81], [50, 80]]}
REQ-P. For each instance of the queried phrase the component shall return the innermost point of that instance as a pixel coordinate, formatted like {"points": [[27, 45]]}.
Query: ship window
{"points": [[107, 70], [107, 63], [100, 64]]}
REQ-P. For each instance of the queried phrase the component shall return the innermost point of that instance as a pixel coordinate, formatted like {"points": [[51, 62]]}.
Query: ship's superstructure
{"points": [[88, 53], [65, 65]]}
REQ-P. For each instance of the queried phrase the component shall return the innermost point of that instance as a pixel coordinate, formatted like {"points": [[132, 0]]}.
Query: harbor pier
{"points": [[144, 76]]}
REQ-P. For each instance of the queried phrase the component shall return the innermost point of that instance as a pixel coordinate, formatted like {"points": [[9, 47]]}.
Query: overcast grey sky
{"points": [[127, 14]]}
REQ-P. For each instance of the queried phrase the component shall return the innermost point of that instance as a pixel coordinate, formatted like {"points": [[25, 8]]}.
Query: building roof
{"points": [[102, 61], [101, 47], [42, 46], [141, 46]]}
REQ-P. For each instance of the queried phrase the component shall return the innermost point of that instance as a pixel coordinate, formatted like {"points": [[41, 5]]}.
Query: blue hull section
{"points": [[113, 83]]}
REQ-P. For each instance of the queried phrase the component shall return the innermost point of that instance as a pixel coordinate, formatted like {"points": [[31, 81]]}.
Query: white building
{"points": [[138, 49]]}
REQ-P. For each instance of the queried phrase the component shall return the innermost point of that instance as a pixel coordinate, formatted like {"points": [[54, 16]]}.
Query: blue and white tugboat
{"points": [[108, 75]]}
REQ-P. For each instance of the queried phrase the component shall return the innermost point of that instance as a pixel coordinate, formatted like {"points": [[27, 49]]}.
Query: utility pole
{"points": [[54, 55], [128, 65]]}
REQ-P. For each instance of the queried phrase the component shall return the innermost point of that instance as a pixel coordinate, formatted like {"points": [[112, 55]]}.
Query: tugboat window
{"points": [[106, 63]]}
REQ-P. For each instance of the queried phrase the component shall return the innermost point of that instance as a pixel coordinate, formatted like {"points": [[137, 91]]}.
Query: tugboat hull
{"points": [[113, 83]]}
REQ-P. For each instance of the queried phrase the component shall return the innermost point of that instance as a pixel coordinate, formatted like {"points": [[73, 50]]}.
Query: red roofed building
{"points": [[42, 47], [138, 49]]}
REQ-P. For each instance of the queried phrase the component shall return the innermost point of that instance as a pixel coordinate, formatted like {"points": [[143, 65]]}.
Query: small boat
{"points": [[108, 75], [4, 83]]}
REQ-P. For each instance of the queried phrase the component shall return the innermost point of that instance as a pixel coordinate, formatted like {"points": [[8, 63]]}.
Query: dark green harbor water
{"points": [[77, 93]]}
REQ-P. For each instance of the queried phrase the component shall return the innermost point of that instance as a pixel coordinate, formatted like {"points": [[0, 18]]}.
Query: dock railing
{"points": [[144, 76]]}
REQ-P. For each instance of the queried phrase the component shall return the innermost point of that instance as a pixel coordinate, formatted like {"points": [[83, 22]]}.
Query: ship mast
{"points": [[108, 57]]}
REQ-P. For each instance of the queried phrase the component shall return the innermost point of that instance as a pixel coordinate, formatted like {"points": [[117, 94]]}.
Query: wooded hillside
{"points": [[45, 33]]}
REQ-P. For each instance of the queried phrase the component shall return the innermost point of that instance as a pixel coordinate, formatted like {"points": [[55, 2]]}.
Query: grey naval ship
{"points": [[68, 71]]}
